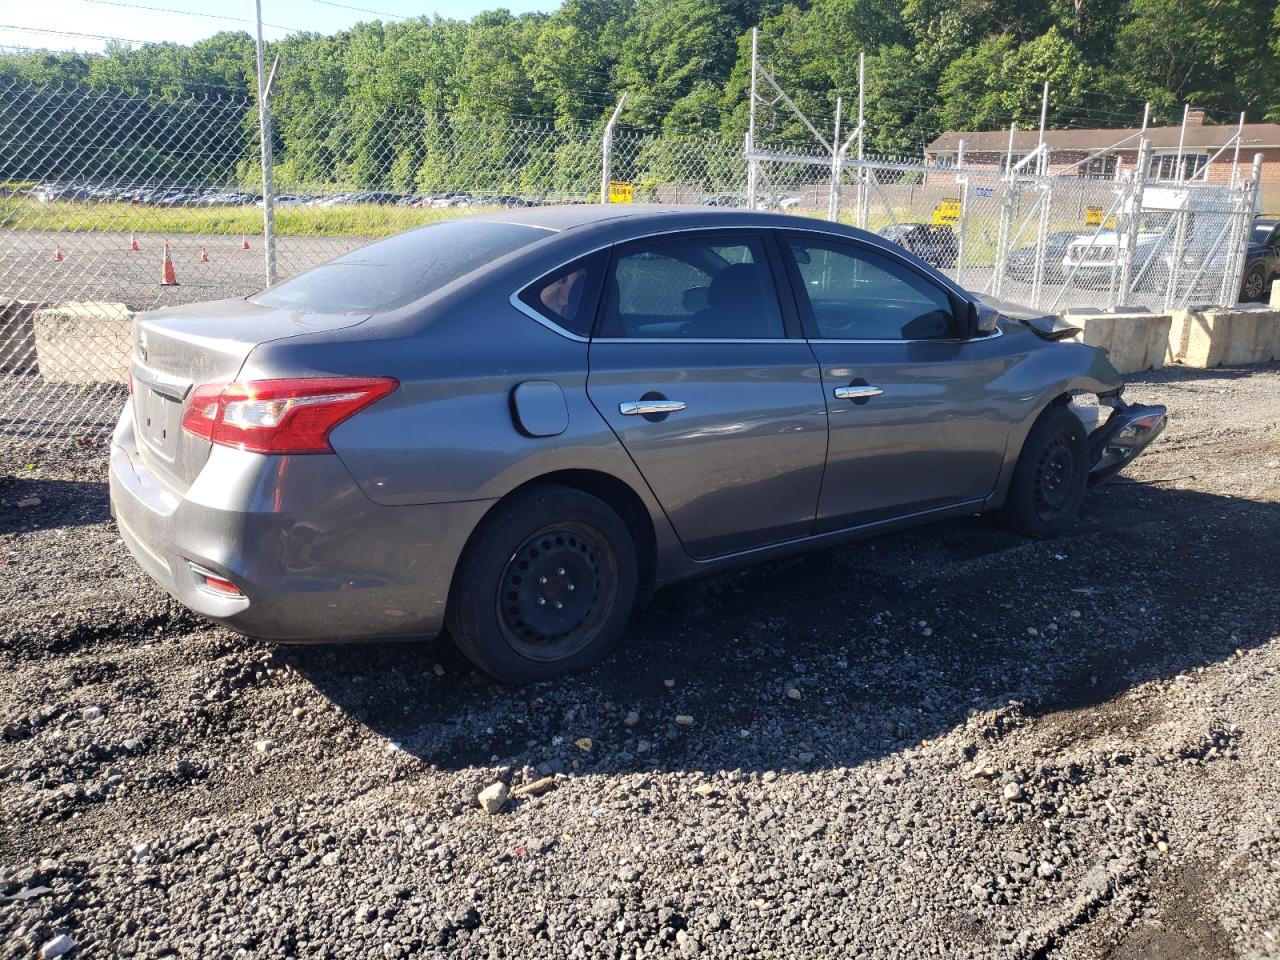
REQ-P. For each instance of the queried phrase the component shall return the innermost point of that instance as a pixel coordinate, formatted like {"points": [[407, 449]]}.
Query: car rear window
{"points": [[400, 269]]}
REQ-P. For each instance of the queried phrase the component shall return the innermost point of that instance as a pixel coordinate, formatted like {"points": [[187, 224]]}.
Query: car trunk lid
{"points": [[176, 350]]}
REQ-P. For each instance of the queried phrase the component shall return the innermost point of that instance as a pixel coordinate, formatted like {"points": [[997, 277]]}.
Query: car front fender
{"points": [[1052, 374]]}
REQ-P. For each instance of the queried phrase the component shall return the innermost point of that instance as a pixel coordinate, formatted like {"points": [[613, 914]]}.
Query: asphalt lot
{"points": [[944, 743], [101, 266]]}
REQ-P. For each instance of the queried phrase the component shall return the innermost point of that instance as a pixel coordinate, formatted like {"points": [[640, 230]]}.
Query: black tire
{"points": [[1050, 477], [1253, 288], [544, 587]]}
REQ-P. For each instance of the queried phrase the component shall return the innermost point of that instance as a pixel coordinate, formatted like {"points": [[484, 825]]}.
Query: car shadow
{"points": [[848, 654], [34, 503]]}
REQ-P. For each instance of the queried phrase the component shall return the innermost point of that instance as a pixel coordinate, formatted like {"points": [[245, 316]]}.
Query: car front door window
{"points": [[857, 294]]}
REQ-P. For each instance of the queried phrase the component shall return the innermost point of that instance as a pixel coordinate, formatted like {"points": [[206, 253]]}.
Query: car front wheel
{"points": [[1050, 477], [545, 586]]}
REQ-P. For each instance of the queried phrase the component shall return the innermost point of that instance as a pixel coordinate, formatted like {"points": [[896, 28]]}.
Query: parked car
{"points": [[935, 245], [1021, 263], [726, 200], [1092, 261], [1262, 262], [517, 423]]}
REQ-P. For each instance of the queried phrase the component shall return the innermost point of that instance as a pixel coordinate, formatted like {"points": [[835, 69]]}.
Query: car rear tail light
{"points": [[280, 416]]}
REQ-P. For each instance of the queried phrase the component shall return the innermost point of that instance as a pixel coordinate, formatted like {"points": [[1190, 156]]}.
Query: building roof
{"points": [[1199, 136]]}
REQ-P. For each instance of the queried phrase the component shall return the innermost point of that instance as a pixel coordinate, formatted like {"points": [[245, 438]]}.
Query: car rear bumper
{"points": [[313, 558]]}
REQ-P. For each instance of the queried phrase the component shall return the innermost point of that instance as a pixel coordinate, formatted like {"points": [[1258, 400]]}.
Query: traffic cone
{"points": [[244, 242], [57, 253], [133, 241], [204, 255], [168, 276]]}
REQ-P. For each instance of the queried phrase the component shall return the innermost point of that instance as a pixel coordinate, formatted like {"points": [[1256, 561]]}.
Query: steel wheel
{"points": [[557, 590], [1053, 478]]}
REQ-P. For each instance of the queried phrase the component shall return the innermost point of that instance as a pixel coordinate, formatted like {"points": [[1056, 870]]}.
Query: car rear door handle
{"points": [[859, 392], [640, 408]]}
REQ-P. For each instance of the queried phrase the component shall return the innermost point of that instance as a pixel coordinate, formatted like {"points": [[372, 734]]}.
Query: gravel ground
{"points": [[944, 743]]}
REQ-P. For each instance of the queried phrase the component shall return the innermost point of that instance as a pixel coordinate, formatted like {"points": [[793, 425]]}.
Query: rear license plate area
{"points": [[159, 422]]}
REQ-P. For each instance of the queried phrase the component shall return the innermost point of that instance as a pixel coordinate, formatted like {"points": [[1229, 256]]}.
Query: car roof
{"points": [[580, 224], [643, 217]]}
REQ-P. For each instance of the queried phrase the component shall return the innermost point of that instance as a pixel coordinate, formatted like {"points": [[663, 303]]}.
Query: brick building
{"points": [[1069, 147]]}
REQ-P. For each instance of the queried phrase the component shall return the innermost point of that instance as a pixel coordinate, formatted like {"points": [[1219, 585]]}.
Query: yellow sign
{"points": [[1092, 216], [620, 192], [1110, 224], [946, 212]]}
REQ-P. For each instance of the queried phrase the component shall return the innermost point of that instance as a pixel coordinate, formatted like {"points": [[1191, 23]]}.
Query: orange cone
{"points": [[204, 255], [168, 276], [133, 241], [244, 242], [57, 253]]}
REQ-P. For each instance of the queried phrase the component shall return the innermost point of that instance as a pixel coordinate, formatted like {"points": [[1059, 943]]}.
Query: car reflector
{"points": [[214, 583]]}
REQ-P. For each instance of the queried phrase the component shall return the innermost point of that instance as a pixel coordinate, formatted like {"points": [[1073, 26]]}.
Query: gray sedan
{"points": [[514, 425]]}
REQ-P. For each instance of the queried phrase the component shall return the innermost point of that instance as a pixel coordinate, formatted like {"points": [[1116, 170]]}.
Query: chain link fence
{"points": [[1050, 242], [112, 203]]}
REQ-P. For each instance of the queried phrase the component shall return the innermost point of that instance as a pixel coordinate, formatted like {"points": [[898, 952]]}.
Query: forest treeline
{"points": [[932, 65]]}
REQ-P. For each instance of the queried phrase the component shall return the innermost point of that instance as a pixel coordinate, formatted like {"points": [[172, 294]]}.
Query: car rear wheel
{"points": [[545, 586], [1050, 477]]}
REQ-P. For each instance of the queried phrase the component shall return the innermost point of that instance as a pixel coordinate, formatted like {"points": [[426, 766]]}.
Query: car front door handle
{"points": [[860, 392], [641, 408]]}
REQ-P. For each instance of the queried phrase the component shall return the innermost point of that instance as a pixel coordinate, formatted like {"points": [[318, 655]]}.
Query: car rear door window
{"points": [[700, 288], [568, 296], [857, 294]]}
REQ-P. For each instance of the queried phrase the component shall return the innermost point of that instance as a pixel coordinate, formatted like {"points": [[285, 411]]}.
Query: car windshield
{"points": [[1261, 232], [400, 269]]}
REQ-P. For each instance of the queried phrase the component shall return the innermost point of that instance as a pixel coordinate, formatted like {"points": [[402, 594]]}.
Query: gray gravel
{"points": [[944, 743]]}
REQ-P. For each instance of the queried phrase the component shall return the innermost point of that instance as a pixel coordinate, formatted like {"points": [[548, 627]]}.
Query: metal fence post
{"points": [[1045, 186], [264, 129], [1234, 275], [1130, 220], [837, 167], [753, 168], [860, 214], [606, 150], [1003, 230]]}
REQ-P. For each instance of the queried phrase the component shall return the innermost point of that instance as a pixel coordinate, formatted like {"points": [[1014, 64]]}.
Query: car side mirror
{"points": [[983, 319]]}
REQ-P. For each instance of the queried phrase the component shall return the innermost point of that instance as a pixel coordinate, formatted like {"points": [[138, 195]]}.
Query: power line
{"points": [[376, 13], [191, 13]]}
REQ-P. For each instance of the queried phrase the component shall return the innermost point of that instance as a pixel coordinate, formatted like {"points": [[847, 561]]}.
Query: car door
{"points": [[700, 369], [914, 408]]}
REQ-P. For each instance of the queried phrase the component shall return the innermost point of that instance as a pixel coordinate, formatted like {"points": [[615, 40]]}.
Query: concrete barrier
{"points": [[1134, 341], [1202, 337], [83, 342], [1225, 336], [17, 336]]}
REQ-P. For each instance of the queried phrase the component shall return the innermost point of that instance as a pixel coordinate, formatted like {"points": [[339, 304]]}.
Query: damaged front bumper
{"points": [[1128, 431]]}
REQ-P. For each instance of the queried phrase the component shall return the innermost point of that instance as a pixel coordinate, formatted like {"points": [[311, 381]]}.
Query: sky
{"points": [[87, 25]]}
